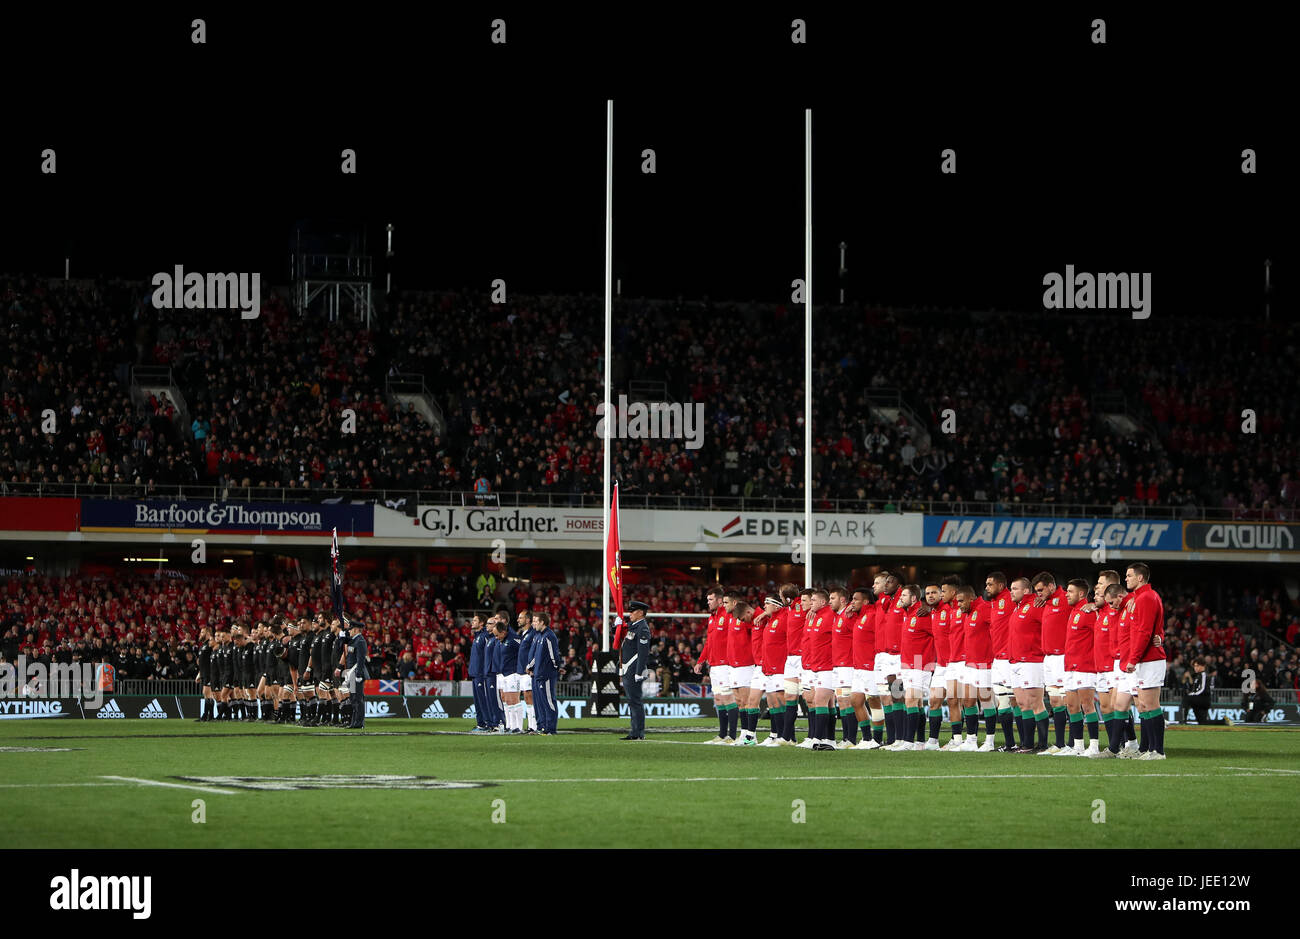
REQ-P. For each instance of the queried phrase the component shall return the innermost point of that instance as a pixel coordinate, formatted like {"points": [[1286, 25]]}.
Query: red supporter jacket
{"points": [[917, 646], [956, 633], [794, 624], [1103, 647], [1119, 625], [1146, 621], [864, 639], [1027, 631], [1055, 614], [1003, 606], [1080, 654], [740, 646], [842, 639], [715, 639], [979, 636], [817, 637], [774, 638], [942, 622]]}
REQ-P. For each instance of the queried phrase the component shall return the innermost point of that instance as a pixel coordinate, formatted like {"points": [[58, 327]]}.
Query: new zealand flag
{"points": [[336, 584]]}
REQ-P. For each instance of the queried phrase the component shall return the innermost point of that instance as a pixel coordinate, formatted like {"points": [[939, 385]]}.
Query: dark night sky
{"points": [[490, 161]]}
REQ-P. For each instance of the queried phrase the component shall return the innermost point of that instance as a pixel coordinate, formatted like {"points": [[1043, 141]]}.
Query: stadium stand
{"points": [[1046, 414]]}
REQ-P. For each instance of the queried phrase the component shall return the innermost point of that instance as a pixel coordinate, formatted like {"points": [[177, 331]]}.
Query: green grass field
{"points": [[1220, 787]]}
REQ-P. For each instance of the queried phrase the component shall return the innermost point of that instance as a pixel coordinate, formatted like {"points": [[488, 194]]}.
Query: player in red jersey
{"points": [[772, 622], [977, 616], [1002, 601], [795, 620], [865, 699], [955, 674], [1080, 669], [817, 661], [1027, 665], [917, 658], [714, 654], [1056, 610], [846, 621], [740, 656], [1144, 656], [1118, 721], [940, 619], [889, 617], [1105, 631]]}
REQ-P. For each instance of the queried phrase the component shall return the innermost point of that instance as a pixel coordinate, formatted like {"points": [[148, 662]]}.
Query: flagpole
{"points": [[609, 315], [807, 353]]}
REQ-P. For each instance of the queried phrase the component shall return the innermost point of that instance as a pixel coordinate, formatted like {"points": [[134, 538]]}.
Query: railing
{"points": [[627, 500], [154, 686]]}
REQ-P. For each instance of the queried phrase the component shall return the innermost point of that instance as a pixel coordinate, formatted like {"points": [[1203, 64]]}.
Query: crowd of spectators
{"points": [[1003, 406], [147, 626]]}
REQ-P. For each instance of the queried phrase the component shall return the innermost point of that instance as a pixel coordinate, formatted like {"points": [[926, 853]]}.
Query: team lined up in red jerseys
{"points": [[1025, 655]]}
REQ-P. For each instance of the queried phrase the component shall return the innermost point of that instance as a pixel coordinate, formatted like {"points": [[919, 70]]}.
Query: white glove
{"points": [[618, 620]]}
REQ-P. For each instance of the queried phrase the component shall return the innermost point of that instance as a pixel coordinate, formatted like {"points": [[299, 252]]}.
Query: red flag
{"points": [[615, 573]]}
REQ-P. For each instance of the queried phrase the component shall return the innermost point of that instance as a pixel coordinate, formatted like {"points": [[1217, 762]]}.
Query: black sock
{"points": [[849, 721], [722, 721], [990, 723], [1160, 732], [920, 725], [1027, 730], [1043, 723], [936, 722], [1130, 729], [972, 724], [1060, 717], [1147, 732], [1008, 730], [733, 720]]}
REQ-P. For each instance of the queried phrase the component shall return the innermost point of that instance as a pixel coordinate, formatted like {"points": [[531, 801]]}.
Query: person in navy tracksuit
{"points": [[477, 669], [546, 673], [495, 649], [526, 635]]}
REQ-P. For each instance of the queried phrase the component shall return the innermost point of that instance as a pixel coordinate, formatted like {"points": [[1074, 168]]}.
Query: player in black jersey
{"points": [[223, 674], [267, 688], [251, 675], [283, 682], [306, 686], [204, 677], [237, 685], [327, 701]]}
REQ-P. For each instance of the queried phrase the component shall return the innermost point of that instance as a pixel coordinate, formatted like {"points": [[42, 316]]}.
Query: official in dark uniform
{"points": [[634, 654], [357, 672]]}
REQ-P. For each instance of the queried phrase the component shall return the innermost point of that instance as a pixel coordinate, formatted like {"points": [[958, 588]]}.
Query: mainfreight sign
{"points": [[941, 531], [1240, 536], [193, 517]]}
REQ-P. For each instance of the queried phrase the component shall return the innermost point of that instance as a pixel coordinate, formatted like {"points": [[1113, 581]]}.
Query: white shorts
{"points": [[917, 680], [824, 679], [1002, 672], [864, 681], [1150, 674], [844, 676], [887, 664], [525, 682], [1105, 682], [1026, 674], [940, 675], [773, 683], [741, 675], [758, 681], [1124, 682], [955, 672], [1054, 671], [808, 680], [793, 667], [720, 678], [508, 682], [1076, 680], [977, 677]]}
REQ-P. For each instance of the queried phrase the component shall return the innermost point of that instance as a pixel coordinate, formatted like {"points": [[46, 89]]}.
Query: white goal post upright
{"points": [[609, 315], [807, 352]]}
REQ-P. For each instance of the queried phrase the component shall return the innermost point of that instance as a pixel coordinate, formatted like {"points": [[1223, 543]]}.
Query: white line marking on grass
{"points": [[1262, 769], [53, 785], [598, 779], [154, 782]]}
